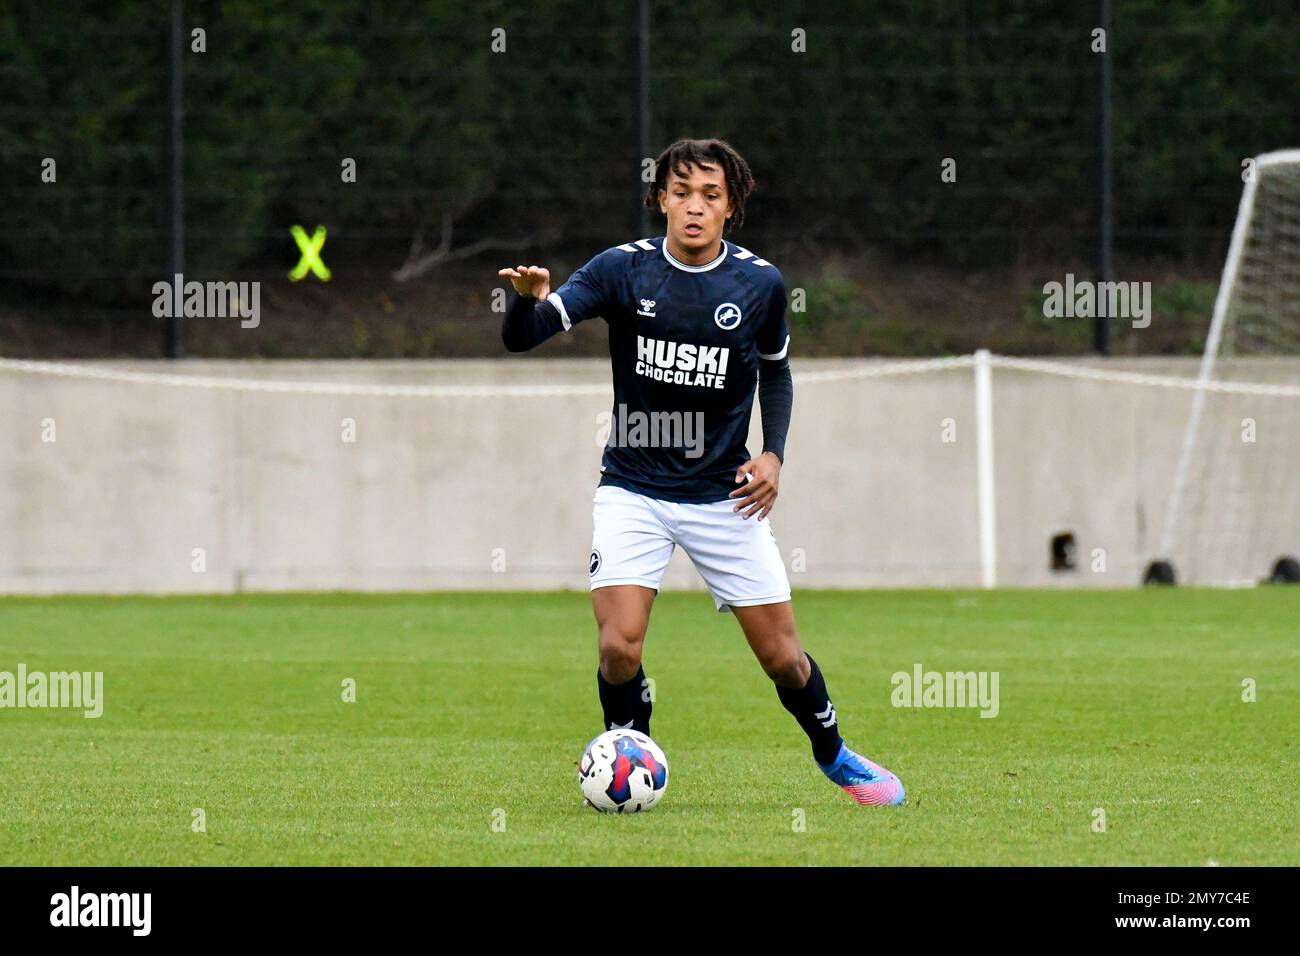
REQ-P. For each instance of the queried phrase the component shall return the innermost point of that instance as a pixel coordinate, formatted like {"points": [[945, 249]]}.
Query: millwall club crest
{"points": [[727, 316]]}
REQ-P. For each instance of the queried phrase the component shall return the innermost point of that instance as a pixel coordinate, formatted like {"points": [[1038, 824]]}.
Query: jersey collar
{"points": [[687, 268]]}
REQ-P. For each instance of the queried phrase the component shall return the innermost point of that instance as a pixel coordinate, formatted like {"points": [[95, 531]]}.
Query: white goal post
{"points": [[1232, 512]]}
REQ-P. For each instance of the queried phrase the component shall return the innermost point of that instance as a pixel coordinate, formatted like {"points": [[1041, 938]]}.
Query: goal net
{"points": [[1233, 511]]}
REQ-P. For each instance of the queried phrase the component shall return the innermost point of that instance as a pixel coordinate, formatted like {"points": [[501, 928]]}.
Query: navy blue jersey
{"points": [[684, 344]]}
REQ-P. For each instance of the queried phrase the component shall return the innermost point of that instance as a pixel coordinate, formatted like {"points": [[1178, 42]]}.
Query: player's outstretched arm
{"points": [[529, 320]]}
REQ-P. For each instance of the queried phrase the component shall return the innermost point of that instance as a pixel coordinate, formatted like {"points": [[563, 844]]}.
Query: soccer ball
{"points": [[622, 771]]}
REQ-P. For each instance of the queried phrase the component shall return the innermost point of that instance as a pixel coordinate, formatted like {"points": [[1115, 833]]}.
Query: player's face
{"points": [[697, 207]]}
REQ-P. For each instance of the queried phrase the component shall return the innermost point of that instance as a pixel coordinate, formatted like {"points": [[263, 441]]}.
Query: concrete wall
{"points": [[141, 475]]}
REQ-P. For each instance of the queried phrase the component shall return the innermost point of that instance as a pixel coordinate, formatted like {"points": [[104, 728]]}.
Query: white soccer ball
{"points": [[622, 771]]}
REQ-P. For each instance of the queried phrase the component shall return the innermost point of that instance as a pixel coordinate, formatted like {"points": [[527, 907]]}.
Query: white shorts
{"points": [[633, 537]]}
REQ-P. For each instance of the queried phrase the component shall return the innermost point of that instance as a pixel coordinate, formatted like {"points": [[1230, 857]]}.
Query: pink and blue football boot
{"points": [[865, 781]]}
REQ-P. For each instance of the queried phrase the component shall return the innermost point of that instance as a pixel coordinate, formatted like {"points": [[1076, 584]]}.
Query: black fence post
{"points": [[1105, 204], [643, 109], [175, 334]]}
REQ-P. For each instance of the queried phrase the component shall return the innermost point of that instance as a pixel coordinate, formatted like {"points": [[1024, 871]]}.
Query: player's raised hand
{"points": [[764, 483], [529, 280]]}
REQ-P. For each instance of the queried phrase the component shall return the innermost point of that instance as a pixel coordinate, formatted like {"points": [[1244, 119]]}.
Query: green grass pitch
{"points": [[472, 710]]}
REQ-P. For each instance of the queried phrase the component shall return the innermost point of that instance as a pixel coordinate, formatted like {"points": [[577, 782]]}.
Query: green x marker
{"points": [[310, 254]]}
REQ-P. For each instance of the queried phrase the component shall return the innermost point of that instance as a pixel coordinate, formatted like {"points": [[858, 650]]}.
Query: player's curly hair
{"points": [[705, 152]]}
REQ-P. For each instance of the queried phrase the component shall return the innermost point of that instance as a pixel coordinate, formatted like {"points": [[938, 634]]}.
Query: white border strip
{"points": [[1095, 374], [555, 300], [850, 373], [64, 370], [777, 356], [689, 268]]}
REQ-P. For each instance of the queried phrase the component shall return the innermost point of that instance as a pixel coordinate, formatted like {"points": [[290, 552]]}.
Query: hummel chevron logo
{"points": [[827, 716], [613, 725], [647, 308]]}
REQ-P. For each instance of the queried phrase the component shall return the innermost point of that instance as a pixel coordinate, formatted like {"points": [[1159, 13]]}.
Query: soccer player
{"points": [[696, 323]]}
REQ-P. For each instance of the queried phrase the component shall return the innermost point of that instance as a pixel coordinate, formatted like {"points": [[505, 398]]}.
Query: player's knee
{"points": [[620, 652], [786, 664]]}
